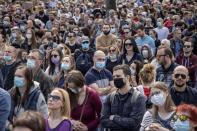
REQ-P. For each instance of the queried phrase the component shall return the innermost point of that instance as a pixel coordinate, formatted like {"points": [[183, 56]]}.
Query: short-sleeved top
{"points": [[65, 125]]}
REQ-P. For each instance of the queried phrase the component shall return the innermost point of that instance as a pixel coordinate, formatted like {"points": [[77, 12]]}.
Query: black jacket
{"points": [[189, 96], [7, 81]]}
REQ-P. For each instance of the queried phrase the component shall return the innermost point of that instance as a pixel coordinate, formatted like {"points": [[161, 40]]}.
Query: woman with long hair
{"points": [[31, 40], [113, 58], [130, 52], [85, 103], [162, 111], [26, 94], [59, 111], [54, 67], [67, 65]]}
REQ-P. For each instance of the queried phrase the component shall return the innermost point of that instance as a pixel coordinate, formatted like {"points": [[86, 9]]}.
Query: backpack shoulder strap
{"points": [[135, 95], [112, 96]]}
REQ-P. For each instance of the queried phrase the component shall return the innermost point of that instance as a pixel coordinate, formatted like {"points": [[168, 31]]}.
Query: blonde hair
{"points": [[65, 110], [169, 104], [147, 74]]}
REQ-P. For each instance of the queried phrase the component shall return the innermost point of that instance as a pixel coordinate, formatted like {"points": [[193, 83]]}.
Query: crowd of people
{"points": [[92, 65]]}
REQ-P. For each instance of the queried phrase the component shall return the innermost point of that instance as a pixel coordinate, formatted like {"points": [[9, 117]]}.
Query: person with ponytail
{"points": [[146, 77]]}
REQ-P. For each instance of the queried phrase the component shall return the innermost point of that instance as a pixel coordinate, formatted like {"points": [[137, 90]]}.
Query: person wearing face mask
{"points": [[7, 70], [83, 56], [113, 58], [106, 39], [185, 118], [98, 77], [71, 42], [162, 31], [34, 62], [6, 26], [121, 107], [189, 60], [16, 39], [147, 54], [67, 65], [54, 67], [162, 111], [26, 94], [85, 103]]}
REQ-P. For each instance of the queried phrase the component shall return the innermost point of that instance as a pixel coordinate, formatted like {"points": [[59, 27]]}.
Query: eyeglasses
{"points": [[111, 51], [54, 56], [182, 76], [128, 44], [181, 117], [187, 46], [160, 56], [85, 42], [54, 97]]}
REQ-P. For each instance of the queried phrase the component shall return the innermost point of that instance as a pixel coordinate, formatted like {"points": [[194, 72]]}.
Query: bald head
{"points": [[182, 69]]}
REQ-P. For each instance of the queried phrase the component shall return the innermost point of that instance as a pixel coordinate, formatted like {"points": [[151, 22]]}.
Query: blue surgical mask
{"points": [[181, 125], [159, 24], [31, 63], [65, 66], [7, 57], [100, 65], [14, 35], [19, 81], [85, 45]]}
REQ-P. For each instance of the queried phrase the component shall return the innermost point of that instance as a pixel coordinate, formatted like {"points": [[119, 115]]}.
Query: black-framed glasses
{"points": [[128, 44], [160, 55], [54, 56], [54, 97], [183, 76], [85, 42], [187, 46], [112, 50]]}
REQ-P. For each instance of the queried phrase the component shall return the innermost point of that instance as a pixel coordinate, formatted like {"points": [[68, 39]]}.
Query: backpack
{"points": [[134, 97], [83, 62]]}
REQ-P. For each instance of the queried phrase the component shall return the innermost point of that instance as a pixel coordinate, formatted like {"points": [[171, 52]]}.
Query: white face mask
{"points": [[145, 53], [158, 99]]}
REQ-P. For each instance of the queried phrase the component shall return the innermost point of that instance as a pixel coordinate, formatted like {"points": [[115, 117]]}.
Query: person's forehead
{"points": [[187, 43], [9, 48], [118, 72], [56, 92], [155, 89], [34, 54], [180, 70]]}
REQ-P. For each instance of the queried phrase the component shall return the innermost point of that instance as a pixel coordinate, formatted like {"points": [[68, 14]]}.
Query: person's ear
{"points": [[187, 78]]}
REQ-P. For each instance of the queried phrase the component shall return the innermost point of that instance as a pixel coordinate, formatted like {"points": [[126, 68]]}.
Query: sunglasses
{"points": [[187, 46], [128, 44], [181, 117], [54, 56], [178, 75], [54, 97], [85, 42], [111, 51]]}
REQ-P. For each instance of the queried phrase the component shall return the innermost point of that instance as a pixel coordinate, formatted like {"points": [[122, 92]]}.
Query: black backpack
{"points": [[83, 62]]}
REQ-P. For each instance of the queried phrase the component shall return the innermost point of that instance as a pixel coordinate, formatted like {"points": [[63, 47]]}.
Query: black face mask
{"points": [[106, 32], [119, 83]]}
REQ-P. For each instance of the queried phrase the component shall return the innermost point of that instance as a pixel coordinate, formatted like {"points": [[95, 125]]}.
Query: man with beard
{"points": [[180, 91], [166, 65], [105, 39]]}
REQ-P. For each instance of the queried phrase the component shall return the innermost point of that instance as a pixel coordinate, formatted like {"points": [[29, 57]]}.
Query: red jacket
{"points": [[191, 65]]}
